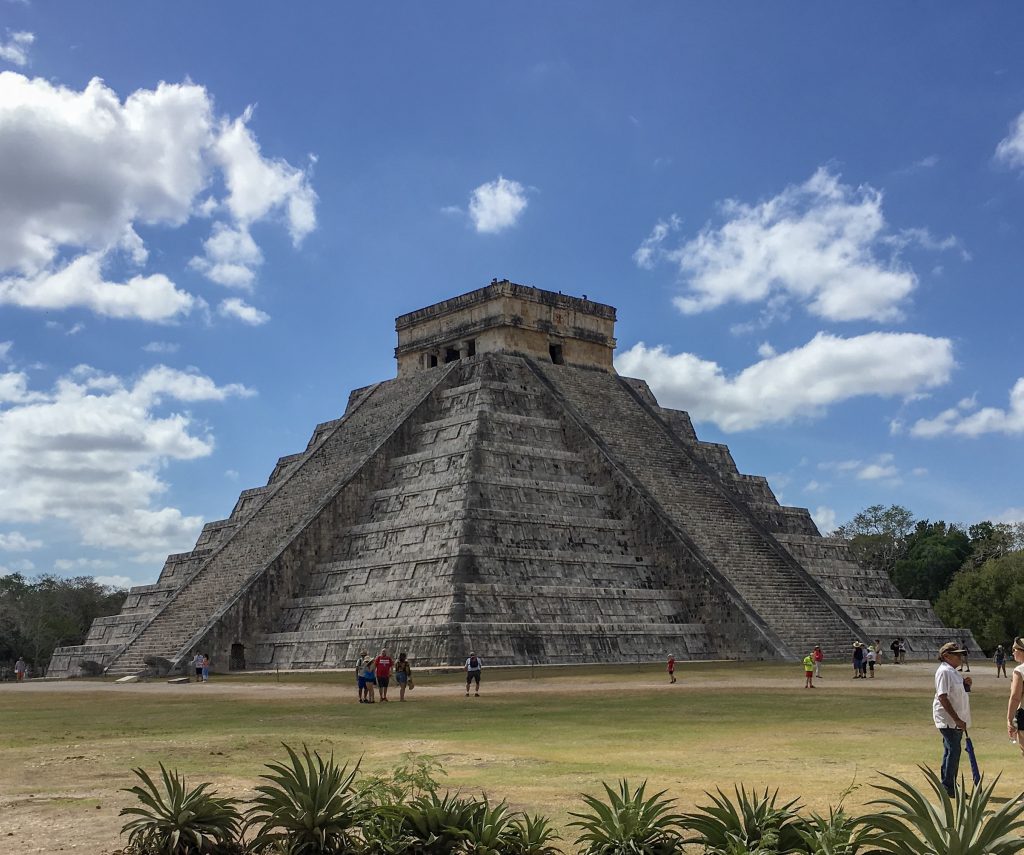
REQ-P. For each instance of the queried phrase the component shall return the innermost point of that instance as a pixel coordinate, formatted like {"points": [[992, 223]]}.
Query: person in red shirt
{"points": [[818, 657], [671, 669], [384, 664]]}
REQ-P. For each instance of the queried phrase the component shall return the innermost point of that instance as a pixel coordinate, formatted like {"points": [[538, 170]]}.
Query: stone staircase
{"points": [[723, 530], [297, 490]]}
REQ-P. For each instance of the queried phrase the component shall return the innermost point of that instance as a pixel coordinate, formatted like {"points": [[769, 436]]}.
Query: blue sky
{"points": [[810, 218]]}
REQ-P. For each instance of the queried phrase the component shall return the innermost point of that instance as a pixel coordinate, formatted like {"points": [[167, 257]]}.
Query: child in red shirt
{"points": [[671, 669]]}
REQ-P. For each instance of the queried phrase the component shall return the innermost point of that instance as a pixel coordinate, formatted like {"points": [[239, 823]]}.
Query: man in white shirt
{"points": [[951, 710]]}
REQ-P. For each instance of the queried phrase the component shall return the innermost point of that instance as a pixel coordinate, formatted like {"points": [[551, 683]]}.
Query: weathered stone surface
{"points": [[524, 501]]}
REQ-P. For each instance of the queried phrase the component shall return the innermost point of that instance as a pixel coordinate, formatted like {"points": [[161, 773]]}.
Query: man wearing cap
{"points": [[951, 710]]}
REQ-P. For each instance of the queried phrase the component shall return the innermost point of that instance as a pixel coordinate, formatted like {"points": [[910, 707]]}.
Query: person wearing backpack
{"points": [[473, 668]]}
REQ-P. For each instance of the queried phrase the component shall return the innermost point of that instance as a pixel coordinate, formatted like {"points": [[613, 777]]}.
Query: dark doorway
{"points": [[450, 355], [432, 361], [556, 354], [471, 347], [237, 661]]}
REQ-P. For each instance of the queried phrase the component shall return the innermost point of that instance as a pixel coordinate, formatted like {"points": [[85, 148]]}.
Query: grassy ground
{"points": [[537, 740]]}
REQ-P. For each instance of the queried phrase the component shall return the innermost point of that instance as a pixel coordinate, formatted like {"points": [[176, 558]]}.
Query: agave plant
{"points": [[968, 824], [177, 820], [436, 825], [835, 834], [490, 830], [753, 823], [531, 835], [628, 823], [308, 807]]}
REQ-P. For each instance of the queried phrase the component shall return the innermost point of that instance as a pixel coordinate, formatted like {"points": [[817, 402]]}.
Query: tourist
{"points": [[473, 668], [361, 677], [403, 675], [951, 711], [903, 651], [870, 658], [20, 667], [206, 668], [818, 657], [370, 677], [1000, 657], [878, 653], [197, 664], [1014, 713], [382, 668], [858, 659], [809, 671], [895, 648], [671, 668]]}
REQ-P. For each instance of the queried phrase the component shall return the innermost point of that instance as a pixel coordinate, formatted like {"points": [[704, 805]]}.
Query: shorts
{"points": [[383, 682], [871, 665], [808, 673], [361, 682], [471, 676], [371, 680], [401, 678], [199, 671]]}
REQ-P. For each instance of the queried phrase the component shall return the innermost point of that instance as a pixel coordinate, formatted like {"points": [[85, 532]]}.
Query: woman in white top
{"points": [[1014, 714]]}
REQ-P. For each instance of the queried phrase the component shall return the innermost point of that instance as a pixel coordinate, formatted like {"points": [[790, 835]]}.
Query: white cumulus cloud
{"points": [[15, 541], [799, 383], [822, 243], [89, 453], [81, 169], [1011, 148], [824, 518], [497, 205], [113, 581], [233, 307], [960, 421], [231, 257], [14, 47]]}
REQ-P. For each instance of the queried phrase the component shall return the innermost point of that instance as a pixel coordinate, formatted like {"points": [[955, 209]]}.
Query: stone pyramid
{"points": [[509, 493]]}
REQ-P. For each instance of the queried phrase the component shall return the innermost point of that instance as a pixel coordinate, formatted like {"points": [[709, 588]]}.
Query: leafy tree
{"points": [[988, 600], [877, 536], [933, 553], [990, 540], [49, 611]]}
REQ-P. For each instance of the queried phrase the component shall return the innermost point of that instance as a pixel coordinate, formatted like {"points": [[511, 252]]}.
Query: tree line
{"points": [[973, 575], [38, 615]]}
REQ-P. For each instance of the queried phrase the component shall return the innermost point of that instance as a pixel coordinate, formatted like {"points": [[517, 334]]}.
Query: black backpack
{"points": [[474, 663]]}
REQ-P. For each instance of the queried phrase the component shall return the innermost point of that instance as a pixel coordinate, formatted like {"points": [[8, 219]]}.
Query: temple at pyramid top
{"points": [[507, 318]]}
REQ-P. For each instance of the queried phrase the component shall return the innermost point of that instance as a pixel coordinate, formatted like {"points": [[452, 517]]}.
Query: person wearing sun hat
{"points": [[951, 710], [1014, 713]]}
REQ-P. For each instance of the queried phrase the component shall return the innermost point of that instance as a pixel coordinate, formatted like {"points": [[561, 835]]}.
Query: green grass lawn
{"points": [[536, 740]]}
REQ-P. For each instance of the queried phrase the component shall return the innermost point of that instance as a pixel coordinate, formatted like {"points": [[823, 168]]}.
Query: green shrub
{"points": [[753, 823], [432, 824], [531, 835], [628, 823], [308, 807], [965, 825], [180, 821]]}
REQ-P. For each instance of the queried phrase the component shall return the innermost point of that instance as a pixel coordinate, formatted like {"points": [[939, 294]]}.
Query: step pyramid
{"points": [[508, 493]]}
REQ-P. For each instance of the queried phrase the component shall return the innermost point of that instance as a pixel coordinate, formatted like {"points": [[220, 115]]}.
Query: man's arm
{"points": [[948, 707]]}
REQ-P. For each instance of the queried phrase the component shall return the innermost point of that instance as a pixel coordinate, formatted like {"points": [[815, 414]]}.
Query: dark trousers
{"points": [[951, 739]]}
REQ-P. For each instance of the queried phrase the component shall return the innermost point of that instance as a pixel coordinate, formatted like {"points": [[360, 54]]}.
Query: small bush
{"points": [[308, 807], [965, 825], [180, 821], [90, 668], [628, 823], [753, 823]]}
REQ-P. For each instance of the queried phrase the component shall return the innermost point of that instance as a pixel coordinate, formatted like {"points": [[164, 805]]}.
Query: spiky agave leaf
{"points": [[176, 820], [628, 822], [968, 824], [438, 824], [309, 802]]}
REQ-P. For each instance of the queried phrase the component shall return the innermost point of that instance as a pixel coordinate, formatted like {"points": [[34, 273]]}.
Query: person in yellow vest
{"points": [[809, 671]]}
